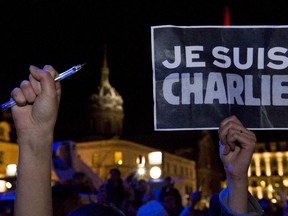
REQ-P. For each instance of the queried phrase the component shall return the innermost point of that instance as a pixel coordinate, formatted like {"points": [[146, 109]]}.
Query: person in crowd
{"points": [[101, 195], [93, 180], [143, 193], [82, 183], [99, 208], [190, 210], [170, 202], [170, 197], [116, 191], [152, 208], [129, 207], [214, 205], [65, 198]]}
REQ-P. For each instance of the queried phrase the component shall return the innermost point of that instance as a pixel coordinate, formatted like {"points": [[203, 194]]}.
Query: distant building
{"points": [[8, 156], [106, 110], [135, 159], [268, 172]]}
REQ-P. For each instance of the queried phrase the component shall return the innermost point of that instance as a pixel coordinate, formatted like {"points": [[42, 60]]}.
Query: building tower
{"points": [[106, 111]]}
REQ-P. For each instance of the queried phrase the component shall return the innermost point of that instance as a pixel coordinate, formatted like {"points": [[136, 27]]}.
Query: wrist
{"points": [[35, 143], [234, 174], [238, 182]]}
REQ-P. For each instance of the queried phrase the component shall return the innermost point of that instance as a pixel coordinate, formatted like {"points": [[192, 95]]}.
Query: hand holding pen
{"points": [[60, 77]]}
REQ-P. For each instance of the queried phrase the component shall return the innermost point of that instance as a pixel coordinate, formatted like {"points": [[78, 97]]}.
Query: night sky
{"points": [[65, 33]]}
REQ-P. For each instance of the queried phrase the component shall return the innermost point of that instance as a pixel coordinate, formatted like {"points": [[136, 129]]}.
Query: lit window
{"points": [[155, 158], [140, 161], [118, 158], [11, 170], [2, 186]]}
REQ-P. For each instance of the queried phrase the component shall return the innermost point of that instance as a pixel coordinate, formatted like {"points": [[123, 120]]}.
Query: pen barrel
{"points": [[8, 104]]}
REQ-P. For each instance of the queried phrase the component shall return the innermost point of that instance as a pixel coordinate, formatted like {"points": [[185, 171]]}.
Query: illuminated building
{"points": [[106, 109], [8, 158], [130, 157], [268, 172]]}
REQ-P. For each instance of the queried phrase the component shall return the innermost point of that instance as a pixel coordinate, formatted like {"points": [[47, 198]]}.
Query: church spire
{"points": [[105, 69]]}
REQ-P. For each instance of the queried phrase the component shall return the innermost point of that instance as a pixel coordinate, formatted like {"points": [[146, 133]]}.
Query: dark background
{"points": [[65, 33]]}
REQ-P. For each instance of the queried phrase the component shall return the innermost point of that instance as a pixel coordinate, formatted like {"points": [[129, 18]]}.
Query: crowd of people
{"points": [[35, 114]]}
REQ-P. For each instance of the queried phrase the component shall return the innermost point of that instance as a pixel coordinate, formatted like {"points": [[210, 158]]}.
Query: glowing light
{"points": [[270, 187], [118, 158], [257, 165], [259, 193], [263, 183], [267, 164], [280, 164], [155, 158], [285, 182], [141, 171], [8, 185], [2, 186], [140, 161], [155, 172], [11, 170]]}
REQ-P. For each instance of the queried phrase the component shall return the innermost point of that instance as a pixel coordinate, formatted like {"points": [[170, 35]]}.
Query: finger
{"points": [[35, 84], [51, 70], [224, 149], [230, 122], [18, 97], [54, 74], [229, 126], [45, 78], [231, 139], [229, 119], [28, 91], [224, 128], [245, 139]]}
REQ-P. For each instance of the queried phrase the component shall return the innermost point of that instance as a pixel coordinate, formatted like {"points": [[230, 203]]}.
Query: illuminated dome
{"points": [[107, 97]]}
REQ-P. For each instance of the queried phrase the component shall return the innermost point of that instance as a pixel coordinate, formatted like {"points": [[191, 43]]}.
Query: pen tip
{"points": [[82, 65]]}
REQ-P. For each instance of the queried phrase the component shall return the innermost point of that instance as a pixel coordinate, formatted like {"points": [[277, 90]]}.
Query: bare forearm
{"points": [[33, 189], [238, 195]]}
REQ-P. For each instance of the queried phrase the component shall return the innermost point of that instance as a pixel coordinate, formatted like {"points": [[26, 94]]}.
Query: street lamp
{"points": [[155, 159], [155, 172]]}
